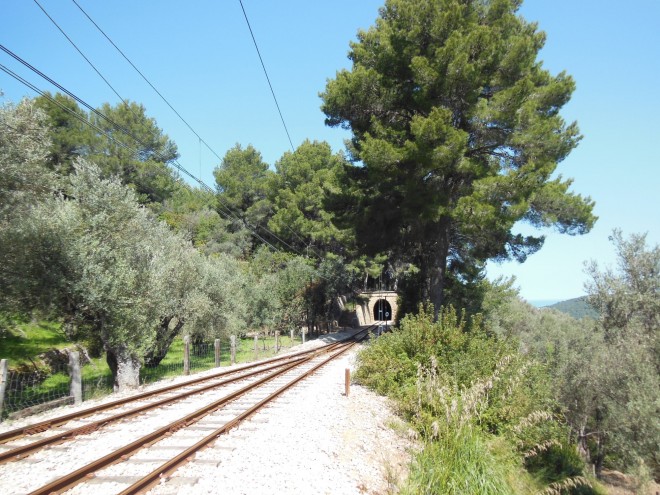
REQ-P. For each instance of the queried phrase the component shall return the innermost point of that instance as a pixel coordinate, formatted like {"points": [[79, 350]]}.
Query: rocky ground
{"points": [[312, 440]]}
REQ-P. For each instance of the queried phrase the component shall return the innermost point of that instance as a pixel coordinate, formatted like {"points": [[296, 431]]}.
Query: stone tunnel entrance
{"points": [[375, 305], [382, 310]]}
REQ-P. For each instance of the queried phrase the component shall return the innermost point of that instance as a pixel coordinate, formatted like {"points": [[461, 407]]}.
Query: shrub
{"points": [[484, 411], [461, 463]]}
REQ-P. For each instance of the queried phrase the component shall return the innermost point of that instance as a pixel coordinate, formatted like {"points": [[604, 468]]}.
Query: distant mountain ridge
{"points": [[577, 308]]}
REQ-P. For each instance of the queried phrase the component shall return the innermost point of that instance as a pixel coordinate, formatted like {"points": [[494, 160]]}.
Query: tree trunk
{"points": [[164, 338], [125, 369], [436, 272], [599, 457]]}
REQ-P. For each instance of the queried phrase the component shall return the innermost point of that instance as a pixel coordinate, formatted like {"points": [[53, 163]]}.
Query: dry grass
{"points": [[617, 483]]}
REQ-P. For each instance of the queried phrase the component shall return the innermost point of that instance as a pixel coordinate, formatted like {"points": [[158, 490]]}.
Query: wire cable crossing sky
{"points": [[201, 56]]}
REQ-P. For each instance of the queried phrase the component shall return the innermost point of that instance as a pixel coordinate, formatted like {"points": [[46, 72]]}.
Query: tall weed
{"points": [[483, 410]]}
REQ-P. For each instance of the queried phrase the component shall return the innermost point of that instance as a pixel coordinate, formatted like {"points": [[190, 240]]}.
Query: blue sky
{"points": [[200, 56]]}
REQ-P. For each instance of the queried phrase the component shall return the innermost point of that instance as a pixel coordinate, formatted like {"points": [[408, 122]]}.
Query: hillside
{"points": [[577, 308]]}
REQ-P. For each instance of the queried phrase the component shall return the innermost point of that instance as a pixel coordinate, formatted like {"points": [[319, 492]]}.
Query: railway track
{"points": [[178, 428]]}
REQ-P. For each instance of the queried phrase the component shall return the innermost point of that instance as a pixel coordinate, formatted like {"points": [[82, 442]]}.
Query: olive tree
{"points": [[120, 276], [24, 181], [605, 373]]}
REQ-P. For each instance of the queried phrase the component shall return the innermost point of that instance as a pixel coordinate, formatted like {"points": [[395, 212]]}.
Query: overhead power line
{"points": [[175, 111], [174, 163], [125, 131], [146, 80], [266, 73], [201, 140], [81, 53]]}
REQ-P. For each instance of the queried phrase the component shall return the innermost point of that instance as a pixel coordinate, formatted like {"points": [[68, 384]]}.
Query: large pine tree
{"points": [[457, 128]]}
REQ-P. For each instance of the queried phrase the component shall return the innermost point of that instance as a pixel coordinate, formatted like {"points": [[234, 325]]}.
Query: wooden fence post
{"points": [[302, 332], [76, 377], [256, 347], [216, 345], [291, 341], [186, 355], [4, 377], [277, 341], [232, 340], [347, 381]]}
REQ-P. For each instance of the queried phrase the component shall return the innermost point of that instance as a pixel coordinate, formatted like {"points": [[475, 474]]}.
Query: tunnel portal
{"points": [[382, 310]]}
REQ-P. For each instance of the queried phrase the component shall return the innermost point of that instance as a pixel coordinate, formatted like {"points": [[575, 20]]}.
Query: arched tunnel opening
{"points": [[382, 310]]}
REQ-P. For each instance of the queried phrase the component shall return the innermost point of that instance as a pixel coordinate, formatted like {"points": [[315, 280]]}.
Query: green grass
{"points": [[465, 463], [466, 391], [26, 341], [204, 358]]}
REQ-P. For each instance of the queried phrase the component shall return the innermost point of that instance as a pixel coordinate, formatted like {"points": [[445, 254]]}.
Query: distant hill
{"points": [[577, 308]]}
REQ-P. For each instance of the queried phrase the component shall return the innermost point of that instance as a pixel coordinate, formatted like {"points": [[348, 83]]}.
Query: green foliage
{"points": [[23, 151], [24, 181], [75, 243], [114, 273], [298, 191], [70, 137], [463, 463], [132, 147], [193, 212], [24, 341], [242, 181], [140, 161], [485, 412], [458, 131], [452, 343], [577, 308], [628, 298], [604, 374], [281, 288]]}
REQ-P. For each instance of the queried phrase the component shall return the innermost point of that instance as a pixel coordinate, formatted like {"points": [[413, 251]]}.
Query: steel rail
{"points": [[66, 482], [167, 468], [23, 451], [60, 420]]}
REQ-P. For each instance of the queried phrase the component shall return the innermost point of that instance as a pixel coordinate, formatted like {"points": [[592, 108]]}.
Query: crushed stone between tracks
{"points": [[312, 440]]}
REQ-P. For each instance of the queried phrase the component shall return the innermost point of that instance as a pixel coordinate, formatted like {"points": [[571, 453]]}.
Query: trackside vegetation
{"points": [[524, 400], [485, 413]]}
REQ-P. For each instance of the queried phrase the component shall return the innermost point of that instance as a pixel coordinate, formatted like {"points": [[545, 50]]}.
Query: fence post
{"points": [[291, 341], [186, 355], [277, 341], [4, 377], [302, 332], [217, 352], [76, 377], [233, 349], [256, 347]]}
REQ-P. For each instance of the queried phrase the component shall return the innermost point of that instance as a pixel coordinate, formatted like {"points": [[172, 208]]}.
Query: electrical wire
{"points": [[76, 115], [227, 209], [146, 80], [83, 56], [174, 163], [266, 73], [316, 253]]}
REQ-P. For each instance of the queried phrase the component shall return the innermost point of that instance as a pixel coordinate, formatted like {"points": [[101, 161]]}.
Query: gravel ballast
{"points": [[313, 439]]}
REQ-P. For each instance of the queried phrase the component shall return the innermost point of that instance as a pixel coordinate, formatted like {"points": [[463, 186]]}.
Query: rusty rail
{"points": [[18, 453], [60, 420], [66, 482], [167, 468]]}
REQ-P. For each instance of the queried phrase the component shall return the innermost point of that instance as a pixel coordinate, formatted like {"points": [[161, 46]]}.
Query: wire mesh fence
{"points": [[26, 390]]}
